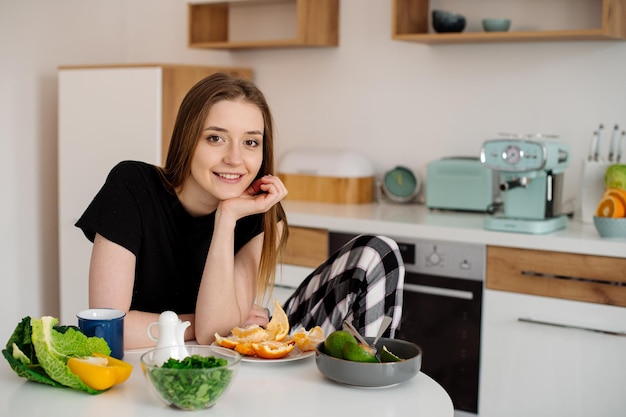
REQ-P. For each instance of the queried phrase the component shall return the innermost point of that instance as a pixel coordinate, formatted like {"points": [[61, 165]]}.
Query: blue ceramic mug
{"points": [[106, 323]]}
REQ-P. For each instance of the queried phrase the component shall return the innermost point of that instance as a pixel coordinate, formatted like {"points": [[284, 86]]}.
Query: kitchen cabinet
{"points": [[306, 246], [530, 369], [553, 335], [237, 24], [596, 20], [106, 115], [306, 249], [589, 278]]}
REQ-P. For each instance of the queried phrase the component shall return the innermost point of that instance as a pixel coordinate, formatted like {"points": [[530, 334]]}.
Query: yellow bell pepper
{"points": [[100, 371]]}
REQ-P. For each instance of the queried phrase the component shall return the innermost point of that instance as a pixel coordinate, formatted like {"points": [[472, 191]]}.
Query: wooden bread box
{"points": [[327, 176]]}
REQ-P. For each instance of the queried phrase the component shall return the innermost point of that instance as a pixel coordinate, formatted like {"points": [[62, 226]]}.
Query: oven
{"points": [[442, 306]]}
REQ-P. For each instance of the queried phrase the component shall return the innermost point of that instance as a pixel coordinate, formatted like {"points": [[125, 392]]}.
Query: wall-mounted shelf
{"points": [[411, 22], [211, 25]]}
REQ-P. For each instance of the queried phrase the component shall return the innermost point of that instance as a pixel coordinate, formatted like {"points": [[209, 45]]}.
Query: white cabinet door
{"points": [[530, 369], [106, 115]]}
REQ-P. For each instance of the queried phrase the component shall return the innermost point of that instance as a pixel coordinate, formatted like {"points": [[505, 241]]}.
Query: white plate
{"points": [[295, 355]]}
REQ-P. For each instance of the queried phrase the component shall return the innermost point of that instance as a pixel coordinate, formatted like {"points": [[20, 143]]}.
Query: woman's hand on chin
{"points": [[262, 195]]}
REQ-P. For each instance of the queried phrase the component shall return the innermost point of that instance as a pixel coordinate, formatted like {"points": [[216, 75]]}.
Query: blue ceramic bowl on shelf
{"points": [[447, 22]]}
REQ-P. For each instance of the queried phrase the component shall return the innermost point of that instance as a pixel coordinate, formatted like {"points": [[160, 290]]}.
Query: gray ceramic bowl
{"points": [[610, 227], [362, 374], [496, 25]]}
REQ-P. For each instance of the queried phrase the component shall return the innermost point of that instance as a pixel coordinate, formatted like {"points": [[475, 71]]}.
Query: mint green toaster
{"points": [[461, 183]]}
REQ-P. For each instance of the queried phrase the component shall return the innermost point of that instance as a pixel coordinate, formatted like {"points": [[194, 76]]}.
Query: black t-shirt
{"points": [[135, 210]]}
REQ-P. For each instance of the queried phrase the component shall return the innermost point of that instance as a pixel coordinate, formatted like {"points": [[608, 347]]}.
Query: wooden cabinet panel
{"points": [[595, 279], [306, 247]]}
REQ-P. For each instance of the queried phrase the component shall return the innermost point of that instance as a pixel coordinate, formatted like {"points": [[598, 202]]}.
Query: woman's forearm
{"points": [[222, 304]]}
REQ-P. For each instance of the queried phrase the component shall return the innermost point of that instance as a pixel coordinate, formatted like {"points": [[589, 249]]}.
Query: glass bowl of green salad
{"points": [[194, 377]]}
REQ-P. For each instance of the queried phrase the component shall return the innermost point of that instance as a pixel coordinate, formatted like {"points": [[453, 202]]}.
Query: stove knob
{"points": [[434, 258]]}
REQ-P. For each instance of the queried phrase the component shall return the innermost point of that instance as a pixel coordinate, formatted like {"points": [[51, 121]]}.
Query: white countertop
{"points": [[417, 221], [260, 389]]}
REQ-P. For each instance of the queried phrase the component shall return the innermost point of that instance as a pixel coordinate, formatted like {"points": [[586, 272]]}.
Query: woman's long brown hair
{"points": [[192, 114]]}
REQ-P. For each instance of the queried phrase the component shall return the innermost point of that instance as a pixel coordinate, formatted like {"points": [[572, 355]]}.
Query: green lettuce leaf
{"points": [[38, 350], [54, 348], [20, 353]]}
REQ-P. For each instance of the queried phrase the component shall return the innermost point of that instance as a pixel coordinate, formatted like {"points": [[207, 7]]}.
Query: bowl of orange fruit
{"points": [[342, 359], [610, 218], [276, 342]]}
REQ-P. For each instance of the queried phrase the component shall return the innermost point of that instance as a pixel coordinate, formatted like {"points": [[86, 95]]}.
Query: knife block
{"points": [[592, 188]]}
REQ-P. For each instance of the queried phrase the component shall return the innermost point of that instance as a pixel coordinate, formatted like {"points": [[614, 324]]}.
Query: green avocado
{"points": [[334, 343], [355, 352]]}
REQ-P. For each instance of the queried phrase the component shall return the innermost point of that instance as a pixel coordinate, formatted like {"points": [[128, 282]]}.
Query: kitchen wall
{"points": [[397, 102]]}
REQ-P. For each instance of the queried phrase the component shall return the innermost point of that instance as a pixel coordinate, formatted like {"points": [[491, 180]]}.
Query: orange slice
{"points": [[272, 342], [245, 348], [308, 339], [617, 193], [252, 333], [278, 327], [272, 349], [610, 206], [227, 342]]}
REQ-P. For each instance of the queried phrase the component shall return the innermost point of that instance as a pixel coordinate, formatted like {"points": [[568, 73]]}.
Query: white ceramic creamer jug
{"points": [[171, 335]]}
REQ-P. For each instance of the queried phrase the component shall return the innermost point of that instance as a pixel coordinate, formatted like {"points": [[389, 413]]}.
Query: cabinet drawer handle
{"points": [[445, 292], [571, 326], [570, 278]]}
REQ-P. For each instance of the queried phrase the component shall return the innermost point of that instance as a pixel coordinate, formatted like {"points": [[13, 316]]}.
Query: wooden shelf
{"points": [[316, 24], [411, 22]]}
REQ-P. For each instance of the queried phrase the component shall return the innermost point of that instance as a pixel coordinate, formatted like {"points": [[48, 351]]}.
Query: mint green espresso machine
{"points": [[531, 183]]}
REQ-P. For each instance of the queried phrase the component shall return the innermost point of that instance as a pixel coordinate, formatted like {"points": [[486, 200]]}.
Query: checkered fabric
{"points": [[361, 282]]}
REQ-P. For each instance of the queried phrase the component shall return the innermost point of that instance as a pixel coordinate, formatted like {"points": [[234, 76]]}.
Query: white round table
{"points": [[260, 389]]}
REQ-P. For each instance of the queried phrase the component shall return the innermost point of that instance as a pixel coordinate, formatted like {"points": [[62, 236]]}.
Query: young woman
{"points": [[202, 235]]}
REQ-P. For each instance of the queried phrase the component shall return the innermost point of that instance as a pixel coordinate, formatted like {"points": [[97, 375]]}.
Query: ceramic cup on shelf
{"points": [[496, 25], [106, 323]]}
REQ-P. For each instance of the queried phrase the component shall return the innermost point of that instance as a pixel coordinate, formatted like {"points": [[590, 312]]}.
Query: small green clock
{"points": [[401, 185]]}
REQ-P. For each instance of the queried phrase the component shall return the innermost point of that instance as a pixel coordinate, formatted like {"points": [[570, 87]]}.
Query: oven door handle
{"points": [[444, 292]]}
